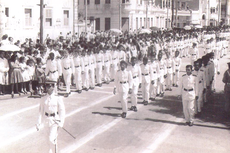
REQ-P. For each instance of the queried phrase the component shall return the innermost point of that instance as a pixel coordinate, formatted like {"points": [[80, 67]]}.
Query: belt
{"points": [[98, 61], [161, 68], [92, 63], [123, 82], [114, 58], [106, 61], [86, 65], [145, 74], [135, 76], [77, 66], [47, 114], [200, 81], [177, 65], [121, 58], [154, 72], [193, 54], [169, 67], [188, 89], [67, 68], [53, 71]]}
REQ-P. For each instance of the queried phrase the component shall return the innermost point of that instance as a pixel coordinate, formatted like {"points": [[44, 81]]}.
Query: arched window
{"points": [[203, 17]]}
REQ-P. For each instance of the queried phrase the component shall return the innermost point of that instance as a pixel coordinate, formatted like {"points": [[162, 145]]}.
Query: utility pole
{"points": [[119, 14], [167, 5], [86, 15], [219, 12], [172, 20], [41, 20], [146, 21]]}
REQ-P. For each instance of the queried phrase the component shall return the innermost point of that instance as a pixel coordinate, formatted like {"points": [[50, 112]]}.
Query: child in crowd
{"points": [[25, 76]]}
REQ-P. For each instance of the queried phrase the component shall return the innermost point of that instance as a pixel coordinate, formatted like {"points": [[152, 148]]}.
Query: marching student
{"points": [[169, 66], [162, 75], [189, 93], [67, 69], [176, 69], [123, 85], [137, 78], [147, 78], [78, 64], [155, 69]]}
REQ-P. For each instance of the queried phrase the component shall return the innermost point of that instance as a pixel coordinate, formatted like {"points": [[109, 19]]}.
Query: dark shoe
{"points": [[1, 93], [162, 94], [19, 93], [170, 89], [146, 103], [135, 109], [86, 89], [158, 95], [100, 84], [79, 91], [176, 85], [166, 89], [132, 108], [173, 85], [190, 123], [66, 95], [123, 115], [186, 123]]}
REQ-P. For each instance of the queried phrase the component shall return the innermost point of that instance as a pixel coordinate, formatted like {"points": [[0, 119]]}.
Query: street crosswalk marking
{"points": [[106, 92], [18, 112], [166, 130], [33, 129]]}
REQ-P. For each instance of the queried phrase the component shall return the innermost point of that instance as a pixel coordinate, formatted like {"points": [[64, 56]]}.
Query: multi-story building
{"points": [[126, 14], [21, 19]]}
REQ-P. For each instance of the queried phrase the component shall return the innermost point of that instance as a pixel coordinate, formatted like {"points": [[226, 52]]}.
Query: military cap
{"points": [[49, 84], [121, 47]]}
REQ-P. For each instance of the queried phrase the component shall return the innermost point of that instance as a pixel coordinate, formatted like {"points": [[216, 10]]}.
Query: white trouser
{"points": [[123, 98], [135, 91], [99, 73], [161, 85], [77, 78], [145, 89], [176, 77], [85, 78], [107, 72], [188, 109], [199, 103], [67, 78], [51, 132], [114, 71], [153, 89], [169, 80], [92, 77]]}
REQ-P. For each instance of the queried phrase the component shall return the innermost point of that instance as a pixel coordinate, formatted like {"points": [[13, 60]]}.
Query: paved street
{"points": [[93, 117]]}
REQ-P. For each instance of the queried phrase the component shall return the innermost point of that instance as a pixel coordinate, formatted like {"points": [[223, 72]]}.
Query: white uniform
{"points": [[161, 79], [107, 63], [194, 55], [176, 70], [137, 78], [188, 90], [169, 79], [216, 69], [115, 61], [100, 63], [78, 64], [85, 77], [153, 87], [68, 69], [147, 77], [92, 66], [123, 82], [51, 110]]}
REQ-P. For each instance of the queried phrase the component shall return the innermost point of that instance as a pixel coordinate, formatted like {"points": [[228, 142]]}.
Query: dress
{"points": [[15, 73], [25, 75], [4, 68]]}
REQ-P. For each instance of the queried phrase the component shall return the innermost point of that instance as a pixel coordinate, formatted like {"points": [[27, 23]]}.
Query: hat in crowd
{"points": [[123, 62], [121, 47], [50, 84]]}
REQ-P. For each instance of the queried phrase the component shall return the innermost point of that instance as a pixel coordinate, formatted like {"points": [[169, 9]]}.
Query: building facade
{"points": [[21, 19], [126, 14]]}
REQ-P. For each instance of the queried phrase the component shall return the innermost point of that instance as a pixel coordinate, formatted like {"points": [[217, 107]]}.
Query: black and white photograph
{"points": [[114, 76]]}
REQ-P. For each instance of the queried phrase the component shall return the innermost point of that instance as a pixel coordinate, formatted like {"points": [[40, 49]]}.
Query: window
{"points": [[7, 11], [107, 1], [203, 17], [28, 17], [97, 1], [107, 23], [148, 24], [48, 17], [152, 22], [97, 23], [144, 23], [213, 10], [125, 1], [136, 23], [66, 17], [88, 2]]}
